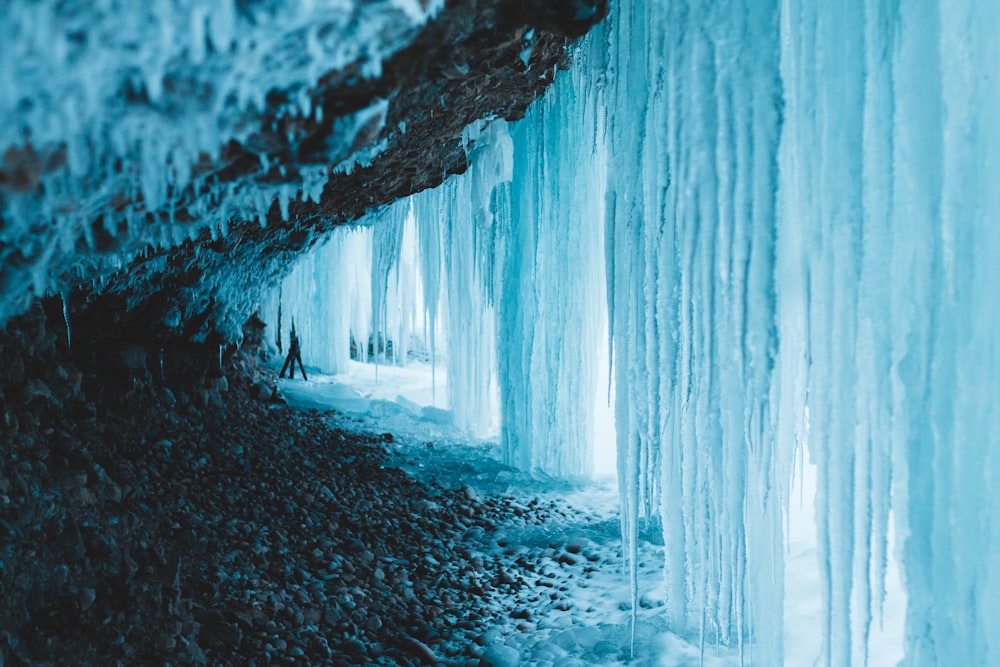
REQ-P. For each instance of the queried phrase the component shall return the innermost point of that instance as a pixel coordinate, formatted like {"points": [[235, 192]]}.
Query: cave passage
{"points": [[781, 214]]}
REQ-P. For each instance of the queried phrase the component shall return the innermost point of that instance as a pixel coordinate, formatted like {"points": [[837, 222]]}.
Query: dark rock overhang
{"points": [[473, 60]]}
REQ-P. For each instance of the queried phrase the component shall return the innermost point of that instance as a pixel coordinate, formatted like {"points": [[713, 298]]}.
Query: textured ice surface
{"points": [[113, 114], [802, 251]]}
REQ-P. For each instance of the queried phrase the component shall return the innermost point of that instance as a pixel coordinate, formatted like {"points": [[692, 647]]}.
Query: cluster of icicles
{"points": [[114, 111]]}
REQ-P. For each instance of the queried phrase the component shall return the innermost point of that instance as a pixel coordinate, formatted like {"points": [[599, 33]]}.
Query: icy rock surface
{"points": [[115, 115]]}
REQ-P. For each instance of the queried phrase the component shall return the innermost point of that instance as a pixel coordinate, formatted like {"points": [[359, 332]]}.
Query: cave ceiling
{"points": [[134, 240]]}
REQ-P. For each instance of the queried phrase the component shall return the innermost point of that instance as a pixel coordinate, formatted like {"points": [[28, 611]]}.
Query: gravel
{"points": [[190, 521]]}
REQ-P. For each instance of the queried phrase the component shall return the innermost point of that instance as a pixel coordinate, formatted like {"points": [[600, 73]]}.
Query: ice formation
{"points": [[475, 271], [550, 292], [800, 245], [415, 276], [801, 237], [691, 233], [115, 115]]}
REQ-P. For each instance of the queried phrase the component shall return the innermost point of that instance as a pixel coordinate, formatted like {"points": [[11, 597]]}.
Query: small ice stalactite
{"points": [[64, 296]]}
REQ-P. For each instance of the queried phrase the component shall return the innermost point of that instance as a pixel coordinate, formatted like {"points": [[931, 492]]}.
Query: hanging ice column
{"points": [[836, 302], [551, 297], [460, 216], [803, 247], [890, 213], [694, 127]]}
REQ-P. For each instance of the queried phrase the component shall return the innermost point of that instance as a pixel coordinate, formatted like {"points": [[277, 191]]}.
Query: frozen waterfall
{"points": [[800, 250], [782, 212], [475, 272]]}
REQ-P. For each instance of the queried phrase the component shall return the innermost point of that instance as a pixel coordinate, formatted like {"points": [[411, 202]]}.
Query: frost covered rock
{"points": [[241, 133], [500, 655]]}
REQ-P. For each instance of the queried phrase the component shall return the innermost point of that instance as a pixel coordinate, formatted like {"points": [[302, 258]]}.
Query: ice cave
{"points": [[620, 332]]}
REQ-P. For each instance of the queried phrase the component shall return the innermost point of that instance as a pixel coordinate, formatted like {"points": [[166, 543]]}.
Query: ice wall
{"points": [[358, 295], [420, 272], [498, 273], [693, 134], [465, 276], [889, 153], [801, 242], [327, 296]]}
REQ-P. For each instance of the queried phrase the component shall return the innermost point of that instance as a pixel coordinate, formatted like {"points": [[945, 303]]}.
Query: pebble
{"points": [[500, 655], [270, 543], [491, 636], [422, 651]]}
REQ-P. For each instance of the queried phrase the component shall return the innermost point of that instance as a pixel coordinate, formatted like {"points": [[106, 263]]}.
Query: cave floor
{"points": [[557, 543], [204, 523]]}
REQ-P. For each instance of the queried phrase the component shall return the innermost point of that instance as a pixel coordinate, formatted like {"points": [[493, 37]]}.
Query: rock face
{"points": [[388, 136]]}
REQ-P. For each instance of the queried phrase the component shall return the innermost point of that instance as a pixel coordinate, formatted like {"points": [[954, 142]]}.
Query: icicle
{"points": [[277, 328], [64, 295], [283, 202]]}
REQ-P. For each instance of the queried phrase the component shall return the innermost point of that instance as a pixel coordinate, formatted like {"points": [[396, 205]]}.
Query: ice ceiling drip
{"points": [[116, 112], [801, 253]]}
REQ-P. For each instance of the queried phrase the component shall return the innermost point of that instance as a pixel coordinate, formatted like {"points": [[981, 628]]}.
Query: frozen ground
{"points": [[579, 550]]}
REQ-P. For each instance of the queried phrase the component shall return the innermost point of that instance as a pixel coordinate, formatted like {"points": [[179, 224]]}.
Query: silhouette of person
{"points": [[293, 356]]}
